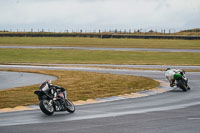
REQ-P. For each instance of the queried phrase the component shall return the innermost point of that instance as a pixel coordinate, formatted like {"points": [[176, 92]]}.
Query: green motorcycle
{"points": [[181, 81]]}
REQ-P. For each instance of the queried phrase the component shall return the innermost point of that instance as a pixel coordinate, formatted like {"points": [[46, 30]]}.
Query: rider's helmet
{"points": [[48, 81], [168, 69], [45, 86]]}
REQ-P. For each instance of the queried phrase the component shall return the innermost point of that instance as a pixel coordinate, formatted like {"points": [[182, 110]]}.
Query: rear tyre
{"points": [[189, 88], [46, 107], [182, 85], [70, 106]]}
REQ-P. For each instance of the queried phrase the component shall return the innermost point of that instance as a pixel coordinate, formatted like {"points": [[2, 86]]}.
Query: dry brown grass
{"points": [[80, 86]]}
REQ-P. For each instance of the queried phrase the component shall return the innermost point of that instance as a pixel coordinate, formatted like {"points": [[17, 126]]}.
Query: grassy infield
{"points": [[80, 86], [84, 85], [98, 57], [97, 42]]}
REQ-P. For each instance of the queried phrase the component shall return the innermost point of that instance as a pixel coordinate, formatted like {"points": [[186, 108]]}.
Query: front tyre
{"points": [[70, 106], [46, 107]]}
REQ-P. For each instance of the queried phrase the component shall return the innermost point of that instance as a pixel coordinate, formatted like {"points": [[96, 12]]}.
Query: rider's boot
{"points": [[172, 84]]}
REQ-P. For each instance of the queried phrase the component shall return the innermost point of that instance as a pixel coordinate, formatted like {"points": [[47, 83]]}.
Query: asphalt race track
{"points": [[170, 112], [96, 48], [19, 79]]}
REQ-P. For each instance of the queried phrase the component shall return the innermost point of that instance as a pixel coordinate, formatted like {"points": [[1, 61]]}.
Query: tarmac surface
{"points": [[172, 111], [115, 49], [19, 79]]}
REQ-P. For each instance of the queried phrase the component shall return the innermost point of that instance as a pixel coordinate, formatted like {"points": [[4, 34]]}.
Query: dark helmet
{"points": [[168, 69]]}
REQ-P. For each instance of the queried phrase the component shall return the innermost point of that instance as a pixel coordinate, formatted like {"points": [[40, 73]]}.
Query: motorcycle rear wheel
{"points": [[46, 107], [182, 85]]}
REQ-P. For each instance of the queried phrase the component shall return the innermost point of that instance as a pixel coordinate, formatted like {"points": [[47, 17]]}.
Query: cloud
{"points": [[99, 14]]}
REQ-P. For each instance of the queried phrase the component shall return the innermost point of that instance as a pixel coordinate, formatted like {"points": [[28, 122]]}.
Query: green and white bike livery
{"points": [[181, 81]]}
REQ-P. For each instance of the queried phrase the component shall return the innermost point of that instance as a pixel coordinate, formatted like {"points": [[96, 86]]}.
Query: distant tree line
{"points": [[98, 35]]}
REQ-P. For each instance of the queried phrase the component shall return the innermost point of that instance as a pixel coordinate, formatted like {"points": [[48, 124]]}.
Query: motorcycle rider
{"points": [[53, 98], [56, 88], [169, 74]]}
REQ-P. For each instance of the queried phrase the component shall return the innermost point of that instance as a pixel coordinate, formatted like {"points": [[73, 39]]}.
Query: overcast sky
{"points": [[99, 14]]}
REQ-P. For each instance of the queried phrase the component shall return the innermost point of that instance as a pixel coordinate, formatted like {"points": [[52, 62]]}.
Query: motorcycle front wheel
{"points": [[70, 106], [46, 107]]}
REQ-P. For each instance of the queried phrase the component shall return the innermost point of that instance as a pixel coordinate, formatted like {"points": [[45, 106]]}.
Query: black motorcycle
{"points": [[181, 81], [49, 103]]}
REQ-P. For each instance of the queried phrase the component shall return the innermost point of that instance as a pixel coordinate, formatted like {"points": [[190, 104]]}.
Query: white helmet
{"points": [[48, 81]]}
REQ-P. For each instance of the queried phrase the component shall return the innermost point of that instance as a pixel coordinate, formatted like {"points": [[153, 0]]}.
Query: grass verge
{"points": [[97, 42], [55, 56], [80, 86]]}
